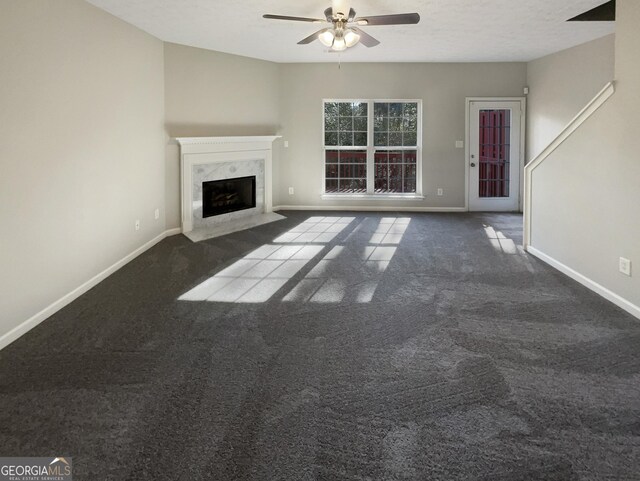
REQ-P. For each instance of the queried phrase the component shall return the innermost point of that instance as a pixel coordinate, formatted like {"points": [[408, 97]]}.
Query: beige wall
{"points": [[442, 88], [81, 157], [214, 94], [560, 85], [586, 195]]}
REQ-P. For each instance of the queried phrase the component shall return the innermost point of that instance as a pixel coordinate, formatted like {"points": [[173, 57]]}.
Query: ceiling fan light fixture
{"points": [[339, 44], [326, 38], [351, 38]]}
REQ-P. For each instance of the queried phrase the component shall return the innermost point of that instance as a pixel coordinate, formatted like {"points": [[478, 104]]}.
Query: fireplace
{"points": [[206, 159], [228, 195]]}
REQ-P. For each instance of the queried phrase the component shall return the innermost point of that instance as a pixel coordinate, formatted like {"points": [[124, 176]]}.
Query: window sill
{"points": [[372, 197]]}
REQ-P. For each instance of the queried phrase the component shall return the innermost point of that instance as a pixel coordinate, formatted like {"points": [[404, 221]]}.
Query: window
{"points": [[372, 147]]}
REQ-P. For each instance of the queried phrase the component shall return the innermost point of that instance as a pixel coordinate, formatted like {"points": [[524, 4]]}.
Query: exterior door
{"points": [[495, 155]]}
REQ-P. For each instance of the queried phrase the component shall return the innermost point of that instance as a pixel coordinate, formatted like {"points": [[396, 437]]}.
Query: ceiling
{"points": [[449, 30]]}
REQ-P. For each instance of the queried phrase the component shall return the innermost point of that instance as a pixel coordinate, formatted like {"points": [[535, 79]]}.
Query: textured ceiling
{"points": [[449, 30]]}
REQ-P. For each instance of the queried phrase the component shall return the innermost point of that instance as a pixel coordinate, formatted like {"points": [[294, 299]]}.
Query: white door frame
{"points": [[467, 145]]}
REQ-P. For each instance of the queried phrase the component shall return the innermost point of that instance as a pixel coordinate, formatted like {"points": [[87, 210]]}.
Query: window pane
{"points": [[346, 171], [330, 123], [395, 177], [344, 109], [395, 110], [395, 157], [332, 156], [346, 139], [346, 124], [381, 110], [409, 178], [331, 186], [353, 157], [381, 157], [410, 139], [331, 109], [411, 109], [342, 128], [395, 118], [360, 139], [381, 139], [331, 138], [360, 109], [395, 124], [331, 171], [395, 138], [353, 186], [410, 156], [494, 148], [410, 124], [360, 124], [381, 124], [381, 181], [398, 175]]}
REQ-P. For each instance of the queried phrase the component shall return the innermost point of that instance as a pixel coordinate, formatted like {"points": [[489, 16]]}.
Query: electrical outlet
{"points": [[286, 144], [291, 191], [156, 214], [138, 224], [440, 192], [625, 266]]}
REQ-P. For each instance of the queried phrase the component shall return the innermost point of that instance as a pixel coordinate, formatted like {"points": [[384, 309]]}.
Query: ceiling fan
{"points": [[344, 31]]}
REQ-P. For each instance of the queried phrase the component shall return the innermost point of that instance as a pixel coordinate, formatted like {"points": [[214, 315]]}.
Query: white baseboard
{"points": [[369, 208], [585, 281], [51, 309]]}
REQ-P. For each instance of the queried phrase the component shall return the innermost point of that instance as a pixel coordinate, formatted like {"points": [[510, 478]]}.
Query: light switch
{"points": [[459, 144]]}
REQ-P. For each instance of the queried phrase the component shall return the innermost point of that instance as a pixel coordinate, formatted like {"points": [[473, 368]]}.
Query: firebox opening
{"points": [[228, 195]]}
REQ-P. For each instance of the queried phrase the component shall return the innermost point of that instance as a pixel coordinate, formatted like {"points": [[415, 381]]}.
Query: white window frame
{"points": [[371, 148]]}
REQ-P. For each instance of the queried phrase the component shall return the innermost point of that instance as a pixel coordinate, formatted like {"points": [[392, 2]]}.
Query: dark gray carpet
{"points": [[448, 355]]}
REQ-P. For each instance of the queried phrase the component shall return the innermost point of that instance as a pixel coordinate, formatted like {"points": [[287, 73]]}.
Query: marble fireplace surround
{"points": [[217, 158]]}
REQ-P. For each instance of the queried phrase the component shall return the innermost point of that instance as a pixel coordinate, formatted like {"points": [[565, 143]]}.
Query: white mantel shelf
{"points": [[226, 144], [226, 140], [201, 151]]}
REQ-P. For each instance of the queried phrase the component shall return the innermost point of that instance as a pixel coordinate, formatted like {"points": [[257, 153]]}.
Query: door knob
{"points": [[473, 164]]}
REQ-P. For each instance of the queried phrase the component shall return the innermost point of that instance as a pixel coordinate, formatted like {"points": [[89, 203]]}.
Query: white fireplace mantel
{"points": [[226, 144], [199, 151]]}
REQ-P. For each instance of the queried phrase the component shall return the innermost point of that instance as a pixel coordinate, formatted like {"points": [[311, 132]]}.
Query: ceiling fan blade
{"points": [[366, 39], [352, 15], [312, 37], [295, 19], [328, 13], [397, 19]]}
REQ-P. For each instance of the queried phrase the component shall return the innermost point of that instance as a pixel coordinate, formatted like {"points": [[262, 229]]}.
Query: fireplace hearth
{"points": [[228, 195]]}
